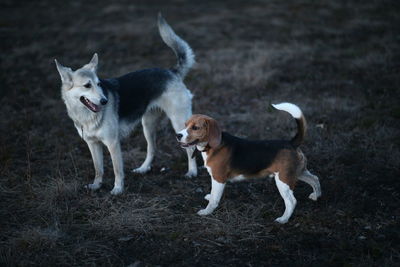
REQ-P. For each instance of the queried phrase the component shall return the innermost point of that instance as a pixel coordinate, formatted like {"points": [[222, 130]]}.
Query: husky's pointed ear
{"points": [[65, 74], [214, 133], [92, 65]]}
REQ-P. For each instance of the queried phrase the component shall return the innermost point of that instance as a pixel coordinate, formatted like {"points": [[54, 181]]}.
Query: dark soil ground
{"points": [[338, 60]]}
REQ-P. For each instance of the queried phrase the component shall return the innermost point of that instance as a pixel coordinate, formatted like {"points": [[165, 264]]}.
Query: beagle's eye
{"points": [[88, 85], [195, 128]]}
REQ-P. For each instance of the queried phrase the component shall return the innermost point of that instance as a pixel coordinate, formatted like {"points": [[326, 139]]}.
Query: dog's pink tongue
{"points": [[94, 107], [97, 108]]}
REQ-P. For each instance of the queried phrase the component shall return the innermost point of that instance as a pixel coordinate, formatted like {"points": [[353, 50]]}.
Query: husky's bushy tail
{"points": [[182, 50], [295, 111]]}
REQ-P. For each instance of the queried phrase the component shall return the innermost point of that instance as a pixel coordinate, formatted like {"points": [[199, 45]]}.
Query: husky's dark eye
{"points": [[195, 128], [88, 85], [98, 84]]}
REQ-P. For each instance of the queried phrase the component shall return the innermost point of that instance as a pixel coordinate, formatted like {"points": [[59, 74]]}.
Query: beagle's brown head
{"points": [[200, 129]]}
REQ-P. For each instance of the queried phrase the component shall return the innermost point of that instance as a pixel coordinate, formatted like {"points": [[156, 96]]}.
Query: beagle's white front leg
{"points": [[217, 189]]}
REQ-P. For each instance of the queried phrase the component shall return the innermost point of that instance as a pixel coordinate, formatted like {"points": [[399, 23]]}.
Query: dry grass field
{"points": [[338, 60]]}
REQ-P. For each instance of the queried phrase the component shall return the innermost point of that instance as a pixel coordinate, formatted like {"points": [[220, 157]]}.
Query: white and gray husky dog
{"points": [[106, 110]]}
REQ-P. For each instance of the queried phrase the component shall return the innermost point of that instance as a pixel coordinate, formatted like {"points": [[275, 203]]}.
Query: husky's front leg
{"points": [[116, 156], [96, 149]]}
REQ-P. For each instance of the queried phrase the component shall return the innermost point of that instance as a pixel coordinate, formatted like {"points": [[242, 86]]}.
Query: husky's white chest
{"points": [[98, 128]]}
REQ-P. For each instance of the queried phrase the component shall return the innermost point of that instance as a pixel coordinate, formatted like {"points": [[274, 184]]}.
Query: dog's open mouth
{"points": [[89, 104], [185, 145]]}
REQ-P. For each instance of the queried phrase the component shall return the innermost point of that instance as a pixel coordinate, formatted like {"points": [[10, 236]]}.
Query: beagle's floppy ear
{"points": [[214, 133]]}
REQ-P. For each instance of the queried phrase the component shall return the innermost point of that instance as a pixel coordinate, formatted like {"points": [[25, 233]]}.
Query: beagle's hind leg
{"points": [[313, 181], [288, 198]]}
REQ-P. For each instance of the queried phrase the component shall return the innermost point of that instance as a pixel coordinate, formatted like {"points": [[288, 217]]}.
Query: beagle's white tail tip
{"points": [[292, 109]]}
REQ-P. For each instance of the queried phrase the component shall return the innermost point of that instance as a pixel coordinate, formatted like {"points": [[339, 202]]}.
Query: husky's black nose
{"points": [[179, 136], [103, 101]]}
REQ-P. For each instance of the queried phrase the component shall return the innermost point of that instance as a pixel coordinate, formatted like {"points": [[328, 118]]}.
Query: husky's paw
{"points": [[204, 212], [117, 190], [313, 196], [281, 220], [191, 173], [207, 197], [93, 186], [142, 169]]}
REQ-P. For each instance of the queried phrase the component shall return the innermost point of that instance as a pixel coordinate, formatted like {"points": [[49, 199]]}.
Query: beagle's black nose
{"points": [[103, 101], [179, 136]]}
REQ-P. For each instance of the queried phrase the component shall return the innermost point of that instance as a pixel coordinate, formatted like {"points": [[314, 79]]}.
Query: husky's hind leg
{"points": [[179, 111], [149, 121]]}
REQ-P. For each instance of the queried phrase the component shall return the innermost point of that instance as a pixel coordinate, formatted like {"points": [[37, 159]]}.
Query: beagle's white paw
{"points": [[191, 173], [204, 212], [313, 196], [281, 220]]}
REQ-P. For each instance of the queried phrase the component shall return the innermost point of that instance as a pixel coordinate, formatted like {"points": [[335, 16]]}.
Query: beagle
{"points": [[229, 158]]}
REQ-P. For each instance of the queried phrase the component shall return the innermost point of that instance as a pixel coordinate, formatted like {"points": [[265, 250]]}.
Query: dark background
{"points": [[337, 60]]}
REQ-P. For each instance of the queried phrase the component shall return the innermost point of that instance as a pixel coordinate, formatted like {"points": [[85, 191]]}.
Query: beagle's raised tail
{"points": [[296, 113]]}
